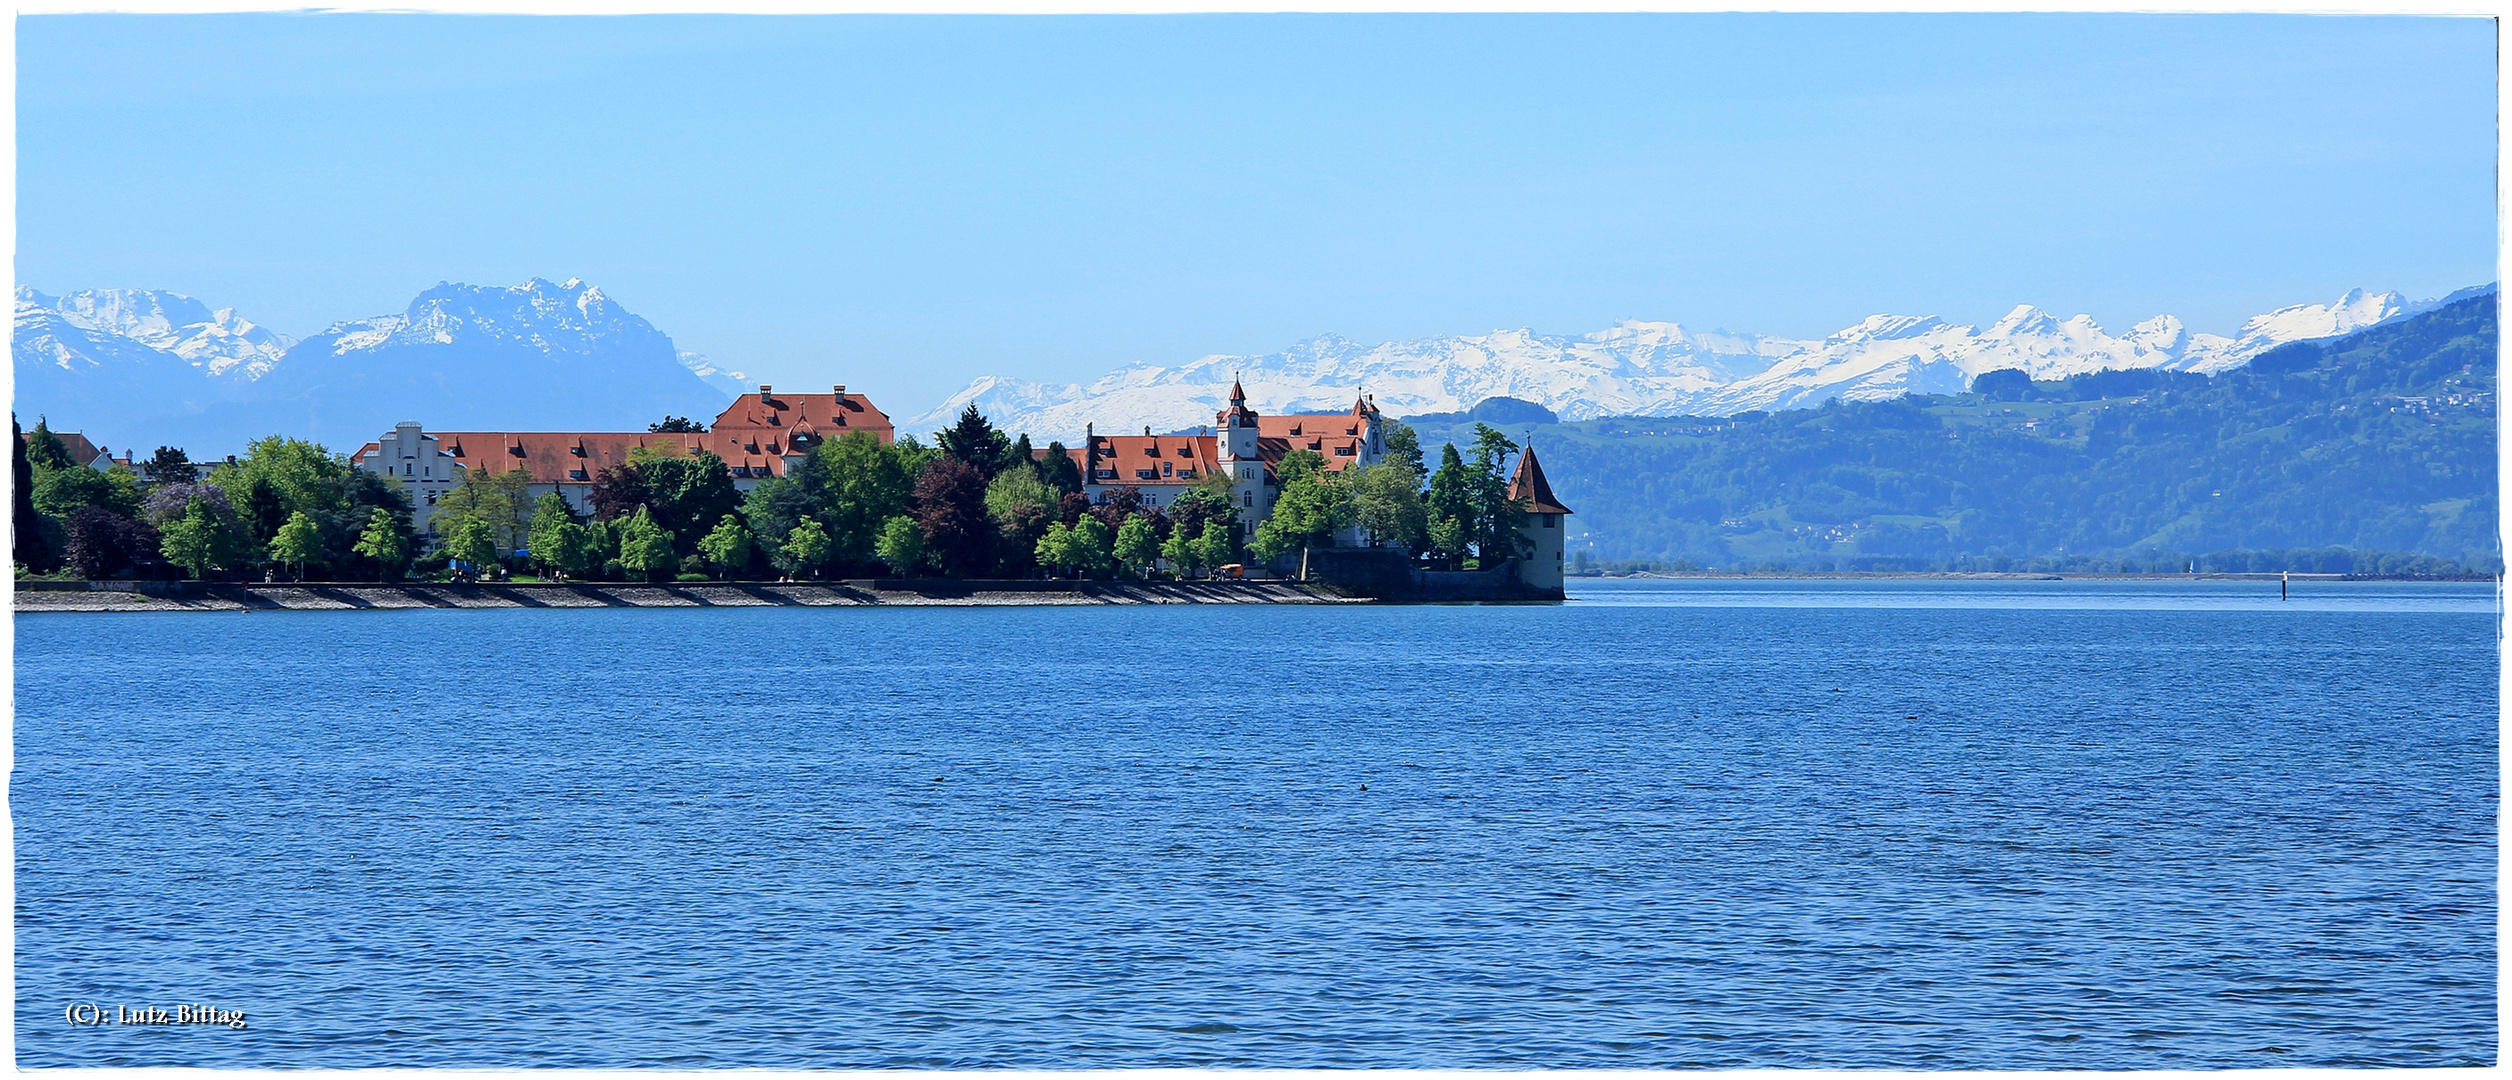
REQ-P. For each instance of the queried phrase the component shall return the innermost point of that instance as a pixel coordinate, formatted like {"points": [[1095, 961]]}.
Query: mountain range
{"points": [[139, 368], [1649, 368], [134, 367]]}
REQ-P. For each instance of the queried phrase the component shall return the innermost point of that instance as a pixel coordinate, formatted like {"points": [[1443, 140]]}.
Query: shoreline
{"points": [[109, 596], [1997, 575]]}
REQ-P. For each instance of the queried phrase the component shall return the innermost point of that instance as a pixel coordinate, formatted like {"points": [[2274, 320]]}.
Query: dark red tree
{"points": [[951, 512], [617, 493]]}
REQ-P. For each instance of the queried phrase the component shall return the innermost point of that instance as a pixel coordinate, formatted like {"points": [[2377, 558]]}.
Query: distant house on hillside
{"points": [[759, 436], [1246, 449]]}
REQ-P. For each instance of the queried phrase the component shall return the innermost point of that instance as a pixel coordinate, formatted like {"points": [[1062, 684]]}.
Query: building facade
{"points": [[1242, 445], [759, 436]]}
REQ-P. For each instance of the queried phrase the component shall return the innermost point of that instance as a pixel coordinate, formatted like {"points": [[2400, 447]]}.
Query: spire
{"points": [[1238, 394], [1529, 491]]}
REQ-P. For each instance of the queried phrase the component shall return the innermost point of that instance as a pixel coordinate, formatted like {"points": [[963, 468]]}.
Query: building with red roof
{"points": [[759, 436]]}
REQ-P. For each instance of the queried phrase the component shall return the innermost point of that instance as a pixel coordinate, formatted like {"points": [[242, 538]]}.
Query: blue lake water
{"points": [[1670, 824]]}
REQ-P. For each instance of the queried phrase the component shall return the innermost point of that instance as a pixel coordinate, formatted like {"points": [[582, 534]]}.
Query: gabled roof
{"points": [[1529, 490], [825, 415], [1188, 458]]}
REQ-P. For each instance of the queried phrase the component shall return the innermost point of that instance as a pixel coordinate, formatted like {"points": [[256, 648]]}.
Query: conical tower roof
{"points": [[1529, 490]]}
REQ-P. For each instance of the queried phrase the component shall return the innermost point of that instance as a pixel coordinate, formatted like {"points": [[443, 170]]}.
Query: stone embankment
{"points": [[34, 596]]}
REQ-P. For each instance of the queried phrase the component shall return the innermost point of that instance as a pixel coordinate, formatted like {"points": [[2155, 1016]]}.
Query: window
{"points": [[1167, 469], [1344, 450], [431, 498], [1552, 521], [405, 469]]}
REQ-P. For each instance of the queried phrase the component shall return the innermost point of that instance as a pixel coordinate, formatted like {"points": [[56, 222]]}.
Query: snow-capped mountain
{"points": [[218, 342], [538, 356], [733, 383], [1645, 368]]}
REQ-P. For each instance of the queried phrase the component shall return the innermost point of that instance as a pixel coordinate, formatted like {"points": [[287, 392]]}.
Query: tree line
{"points": [[975, 503]]}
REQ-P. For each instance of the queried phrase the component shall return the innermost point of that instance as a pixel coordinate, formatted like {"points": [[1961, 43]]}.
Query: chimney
{"points": [[841, 395], [765, 389]]}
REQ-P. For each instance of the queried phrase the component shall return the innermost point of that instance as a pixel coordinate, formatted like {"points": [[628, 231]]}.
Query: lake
{"points": [[1726, 824]]}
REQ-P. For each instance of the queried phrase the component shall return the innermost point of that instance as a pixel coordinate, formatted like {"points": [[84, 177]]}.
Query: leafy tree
{"points": [[1181, 550], [386, 542], [45, 450], [1387, 504], [1495, 520], [1117, 505], [198, 540], [258, 505], [975, 442], [1022, 507], [1210, 500], [1138, 545], [548, 537], [863, 484], [170, 465], [951, 510], [1217, 545], [902, 545], [645, 547], [499, 501], [474, 544], [298, 475], [105, 544], [296, 542], [1404, 448], [617, 492], [59, 492], [1448, 540], [1310, 508], [687, 494], [727, 547], [1450, 506], [1055, 548], [1091, 545], [804, 549], [32, 542], [677, 425]]}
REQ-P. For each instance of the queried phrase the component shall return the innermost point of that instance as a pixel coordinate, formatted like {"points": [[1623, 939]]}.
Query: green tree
{"points": [[864, 485], [1496, 534], [902, 546], [1448, 539], [1387, 504], [1404, 448], [500, 501], [61, 492], [170, 465], [1181, 550], [549, 537], [193, 541], [1057, 469], [1055, 547], [1138, 545], [385, 542], [645, 546], [727, 547], [1022, 507], [296, 542], [975, 441], [45, 450], [1311, 506], [32, 539], [1092, 545], [298, 475], [474, 544], [1218, 544], [687, 494], [804, 549]]}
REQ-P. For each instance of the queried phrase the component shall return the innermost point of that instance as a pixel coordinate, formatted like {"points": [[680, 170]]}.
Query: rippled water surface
{"points": [[1862, 824]]}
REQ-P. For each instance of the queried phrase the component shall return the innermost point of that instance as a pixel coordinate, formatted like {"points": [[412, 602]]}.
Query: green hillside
{"points": [[2381, 441]]}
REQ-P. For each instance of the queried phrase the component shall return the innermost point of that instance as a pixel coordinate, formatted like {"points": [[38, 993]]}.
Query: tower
{"points": [[1540, 524]]}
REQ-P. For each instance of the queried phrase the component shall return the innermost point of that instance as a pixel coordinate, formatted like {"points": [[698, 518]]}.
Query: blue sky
{"points": [[904, 203]]}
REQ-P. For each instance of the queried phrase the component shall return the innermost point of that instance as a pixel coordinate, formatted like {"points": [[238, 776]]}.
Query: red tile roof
{"points": [[1529, 490], [752, 435]]}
